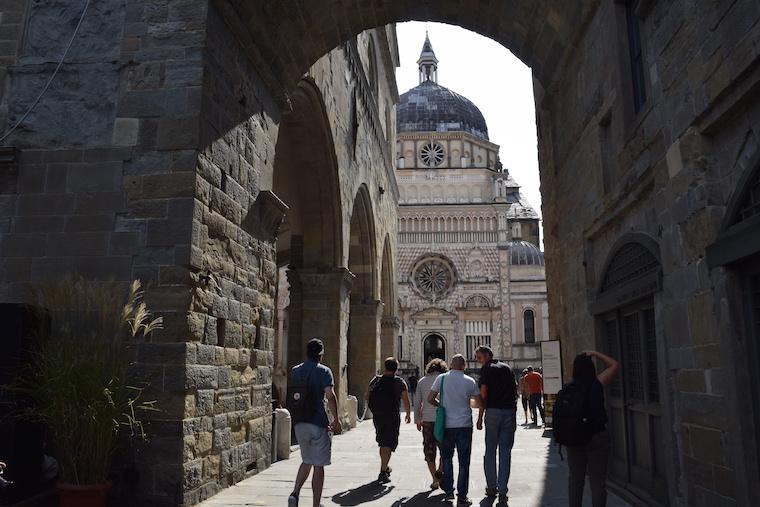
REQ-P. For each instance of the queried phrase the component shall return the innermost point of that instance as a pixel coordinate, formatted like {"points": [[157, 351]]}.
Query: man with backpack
{"points": [[383, 398], [498, 390], [310, 384]]}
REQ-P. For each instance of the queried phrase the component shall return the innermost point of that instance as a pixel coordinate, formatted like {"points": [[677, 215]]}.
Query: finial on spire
{"points": [[427, 62]]}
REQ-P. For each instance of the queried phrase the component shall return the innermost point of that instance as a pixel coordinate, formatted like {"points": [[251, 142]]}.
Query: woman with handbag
{"points": [[424, 416]]}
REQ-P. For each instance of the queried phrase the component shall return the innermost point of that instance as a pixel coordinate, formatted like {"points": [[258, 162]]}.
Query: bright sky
{"points": [[497, 82]]}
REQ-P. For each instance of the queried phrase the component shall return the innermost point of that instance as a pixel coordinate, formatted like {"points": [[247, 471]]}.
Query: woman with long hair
{"points": [[424, 416], [591, 459]]}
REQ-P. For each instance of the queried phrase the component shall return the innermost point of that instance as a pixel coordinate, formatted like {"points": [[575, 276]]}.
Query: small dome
{"points": [[431, 107], [524, 253]]}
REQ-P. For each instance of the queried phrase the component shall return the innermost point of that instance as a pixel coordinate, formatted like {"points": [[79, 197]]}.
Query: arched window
{"points": [[529, 324]]}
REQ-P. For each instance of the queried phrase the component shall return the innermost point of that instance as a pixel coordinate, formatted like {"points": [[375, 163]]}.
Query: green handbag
{"points": [[439, 430]]}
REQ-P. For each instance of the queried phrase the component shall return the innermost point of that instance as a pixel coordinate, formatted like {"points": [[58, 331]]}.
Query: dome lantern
{"points": [[427, 62]]}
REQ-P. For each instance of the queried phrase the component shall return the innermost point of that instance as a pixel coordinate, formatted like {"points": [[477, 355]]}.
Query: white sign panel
{"points": [[551, 360]]}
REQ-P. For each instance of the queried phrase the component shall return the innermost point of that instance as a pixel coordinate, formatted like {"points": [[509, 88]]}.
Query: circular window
{"points": [[432, 154], [433, 278]]}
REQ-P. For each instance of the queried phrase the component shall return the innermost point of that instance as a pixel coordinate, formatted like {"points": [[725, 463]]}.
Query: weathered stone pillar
{"points": [[363, 346], [319, 305], [389, 330]]}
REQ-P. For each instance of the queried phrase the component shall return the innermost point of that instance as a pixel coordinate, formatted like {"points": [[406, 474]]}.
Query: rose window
{"points": [[432, 154], [433, 278]]}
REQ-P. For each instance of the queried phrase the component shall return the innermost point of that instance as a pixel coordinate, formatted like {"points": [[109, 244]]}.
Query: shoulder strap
{"points": [[443, 377]]}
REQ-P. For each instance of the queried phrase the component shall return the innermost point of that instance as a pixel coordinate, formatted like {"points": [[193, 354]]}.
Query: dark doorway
{"points": [[434, 347]]}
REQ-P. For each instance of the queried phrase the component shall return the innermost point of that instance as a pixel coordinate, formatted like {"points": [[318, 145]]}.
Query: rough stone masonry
{"points": [[160, 133]]}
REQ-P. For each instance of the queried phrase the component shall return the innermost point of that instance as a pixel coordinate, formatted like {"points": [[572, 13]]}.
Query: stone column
{"points": [[364, 347], [319, 305], [390, 327]]}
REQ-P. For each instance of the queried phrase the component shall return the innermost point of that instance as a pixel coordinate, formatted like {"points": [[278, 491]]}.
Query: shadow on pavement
{"points": [[363, 494]]}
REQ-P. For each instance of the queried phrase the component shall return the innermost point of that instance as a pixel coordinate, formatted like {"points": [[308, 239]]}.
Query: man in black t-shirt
{"points": [[384, 395], [498, 389]]}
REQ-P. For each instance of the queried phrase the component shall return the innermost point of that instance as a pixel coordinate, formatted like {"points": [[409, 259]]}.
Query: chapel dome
{"points": [[430, 107], [525, 253]]}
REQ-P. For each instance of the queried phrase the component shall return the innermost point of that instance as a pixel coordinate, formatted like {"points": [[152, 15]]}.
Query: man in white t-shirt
{"points": [[458, 390]]}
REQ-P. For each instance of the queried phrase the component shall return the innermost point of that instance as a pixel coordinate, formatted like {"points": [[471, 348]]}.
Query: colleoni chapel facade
{"points": [[469, 264]]}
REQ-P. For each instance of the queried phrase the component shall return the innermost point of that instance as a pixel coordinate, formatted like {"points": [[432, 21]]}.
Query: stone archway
{"points": [[390, 324], [308, 243], [539, 32], [363, 345]]}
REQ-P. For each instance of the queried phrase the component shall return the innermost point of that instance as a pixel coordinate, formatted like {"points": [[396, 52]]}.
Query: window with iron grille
{"points": [[613, 349], [632, 261], [650, 347], [477, 333], [632, 361]]}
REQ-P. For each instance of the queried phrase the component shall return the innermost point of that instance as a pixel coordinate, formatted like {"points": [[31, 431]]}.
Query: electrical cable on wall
{"points": [[52, 76]]}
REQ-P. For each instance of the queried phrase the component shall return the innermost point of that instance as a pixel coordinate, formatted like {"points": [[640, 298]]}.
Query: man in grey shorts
{"points": [[313, 430]]}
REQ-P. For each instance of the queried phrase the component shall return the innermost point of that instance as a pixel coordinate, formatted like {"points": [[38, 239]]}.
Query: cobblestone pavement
{"points": [[539, 477]]}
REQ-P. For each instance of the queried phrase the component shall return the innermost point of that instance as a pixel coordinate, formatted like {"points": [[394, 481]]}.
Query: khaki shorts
{"points": [[315, 443]]}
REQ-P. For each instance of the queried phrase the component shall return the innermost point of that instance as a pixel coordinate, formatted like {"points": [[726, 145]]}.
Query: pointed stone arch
{"points": [[306, 179], [539, 32], [365, 309], [390, 324]]}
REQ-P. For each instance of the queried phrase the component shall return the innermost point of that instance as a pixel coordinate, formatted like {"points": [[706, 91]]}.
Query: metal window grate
{"points": [[631, 262], [613, 349], [633, 364], [650, 343], [750, 206]]}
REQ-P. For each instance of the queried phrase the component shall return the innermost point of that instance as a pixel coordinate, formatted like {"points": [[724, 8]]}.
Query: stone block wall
{"points": [[146, 159], [668, 172]]}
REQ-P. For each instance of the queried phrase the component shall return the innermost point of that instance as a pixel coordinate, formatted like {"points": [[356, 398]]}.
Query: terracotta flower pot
{"points": [[90, 495]]}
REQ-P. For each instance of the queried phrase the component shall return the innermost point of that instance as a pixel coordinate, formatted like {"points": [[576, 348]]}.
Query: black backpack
{"points": [[300, 401], [572, 424], [382, 396]]}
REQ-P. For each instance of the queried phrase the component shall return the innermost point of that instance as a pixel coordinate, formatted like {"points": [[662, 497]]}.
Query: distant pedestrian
{"points": [[424, 417], [535, 383], [384, 395], [310, 384], [412, 382], [582, 420], [498, 390], [458, 390], [524, 394]]}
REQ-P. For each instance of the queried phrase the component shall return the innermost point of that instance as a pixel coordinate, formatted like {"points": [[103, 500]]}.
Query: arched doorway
{"points": [[433, 347], [626, 308]]}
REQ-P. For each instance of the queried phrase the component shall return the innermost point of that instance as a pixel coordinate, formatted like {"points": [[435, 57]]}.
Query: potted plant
{"points": [[74, 381]]}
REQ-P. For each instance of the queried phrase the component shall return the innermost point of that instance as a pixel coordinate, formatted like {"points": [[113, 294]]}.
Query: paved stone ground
{"points": [[538, 476]]}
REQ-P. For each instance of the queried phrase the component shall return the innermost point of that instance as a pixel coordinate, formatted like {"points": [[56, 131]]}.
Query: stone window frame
{"points": [[525, 325], [421, 262], [740, 236], [430, 147]]}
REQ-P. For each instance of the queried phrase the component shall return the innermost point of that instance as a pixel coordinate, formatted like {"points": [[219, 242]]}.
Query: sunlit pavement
{"points": [[538, 475]]}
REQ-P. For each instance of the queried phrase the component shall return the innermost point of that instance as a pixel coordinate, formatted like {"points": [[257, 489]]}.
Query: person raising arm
{"points": [[612, 367]]}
